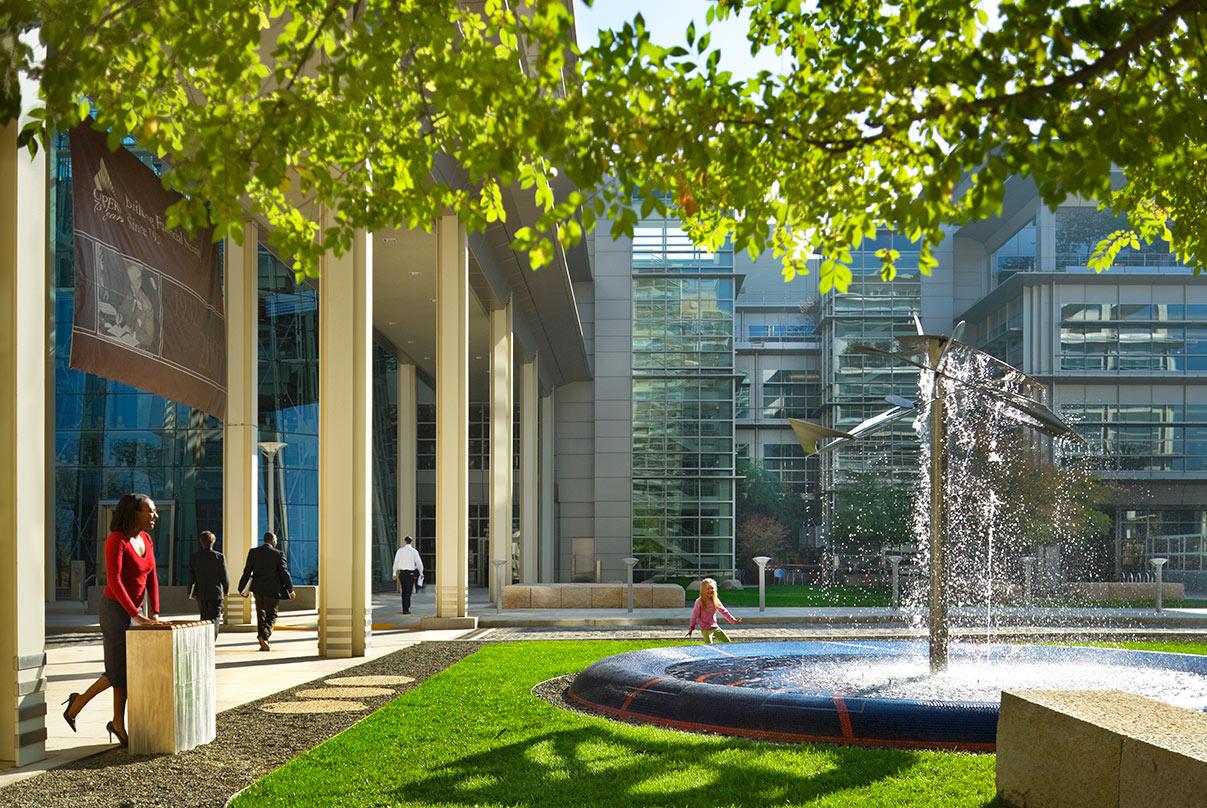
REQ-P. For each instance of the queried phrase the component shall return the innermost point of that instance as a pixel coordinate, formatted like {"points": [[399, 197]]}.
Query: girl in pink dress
{"points": [[704, 614]]}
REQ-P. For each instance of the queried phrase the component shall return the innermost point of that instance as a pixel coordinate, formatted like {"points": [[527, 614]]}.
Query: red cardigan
{"points": [[128, 574]]}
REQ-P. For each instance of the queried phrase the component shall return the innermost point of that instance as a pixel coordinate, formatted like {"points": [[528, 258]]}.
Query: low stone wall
{"points": [[1119, 590], [1099, 749], [591, 596]]}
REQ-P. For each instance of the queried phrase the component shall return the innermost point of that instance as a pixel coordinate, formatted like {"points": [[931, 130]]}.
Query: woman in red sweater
{"points": [[130, 576]]}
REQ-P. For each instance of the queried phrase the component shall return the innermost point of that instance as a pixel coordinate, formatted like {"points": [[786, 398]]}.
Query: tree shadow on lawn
{"points": [[590, 765]]}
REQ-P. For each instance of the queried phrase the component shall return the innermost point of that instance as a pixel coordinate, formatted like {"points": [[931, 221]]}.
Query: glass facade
{"points": [[1016, 255], [683, 403], [1080, 229], [1143, 437], [1133, 337], [874, 313], [1178, 534], [111, 439]]}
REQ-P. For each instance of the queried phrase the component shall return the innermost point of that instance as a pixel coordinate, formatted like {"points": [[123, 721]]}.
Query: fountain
{"points": [[895, 693]]}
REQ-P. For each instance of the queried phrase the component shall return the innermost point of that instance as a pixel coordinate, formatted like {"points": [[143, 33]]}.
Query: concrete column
{"points": [[408, 417], [240, 455], [24, 292], [452, 424], [502, 385], [345, 461], [529, 394], [548, 536]]}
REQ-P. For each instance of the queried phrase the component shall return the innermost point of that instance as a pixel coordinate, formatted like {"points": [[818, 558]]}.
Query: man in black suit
{"points": [[209, 585], [266, 575]]}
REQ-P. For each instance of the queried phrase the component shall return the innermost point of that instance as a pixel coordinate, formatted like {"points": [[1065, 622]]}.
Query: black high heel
{"points": [[122, 740], [66, 713]]}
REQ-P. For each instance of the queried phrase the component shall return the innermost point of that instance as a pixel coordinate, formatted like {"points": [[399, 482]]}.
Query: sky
{"points": [[667, 21]]}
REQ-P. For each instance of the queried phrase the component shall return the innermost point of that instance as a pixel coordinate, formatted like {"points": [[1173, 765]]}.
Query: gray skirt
{"points": [[114, 624]]}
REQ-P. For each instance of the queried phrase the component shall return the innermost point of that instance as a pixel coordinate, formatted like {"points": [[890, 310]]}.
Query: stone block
{"points": [[517, 596], [1049, 759], [546, 596], [1099, 748], [643, 596], [668, 596], [575, 596], [173, 692], [607, 596]]}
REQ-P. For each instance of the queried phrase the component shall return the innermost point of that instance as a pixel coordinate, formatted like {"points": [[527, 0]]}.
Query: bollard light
{"points": [[895, 562], [629, 563], [1028, 561], [1158, 563], [500, 564], [762, 562]]}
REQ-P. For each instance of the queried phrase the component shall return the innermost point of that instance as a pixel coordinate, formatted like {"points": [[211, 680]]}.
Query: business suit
{"points": [[268, 575], [209, 584]]}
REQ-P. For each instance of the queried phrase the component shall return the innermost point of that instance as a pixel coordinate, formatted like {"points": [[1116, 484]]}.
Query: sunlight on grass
{"points": [[475, 735]]}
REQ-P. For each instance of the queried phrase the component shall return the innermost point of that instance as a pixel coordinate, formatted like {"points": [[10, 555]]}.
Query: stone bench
{"points": [[1099, 749], [592, 596], [1123, 590]]}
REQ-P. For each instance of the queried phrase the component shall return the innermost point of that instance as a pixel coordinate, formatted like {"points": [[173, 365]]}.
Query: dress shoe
{"points": [[264, 645], [122, 738], [67, 713]]}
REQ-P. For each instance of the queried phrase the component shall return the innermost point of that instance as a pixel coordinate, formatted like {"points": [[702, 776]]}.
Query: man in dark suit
{"points": [[266, 575], [209, 585]]}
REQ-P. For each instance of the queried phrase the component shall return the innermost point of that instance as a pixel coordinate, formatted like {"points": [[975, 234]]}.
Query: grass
{"points": [[804, 595], [475, 735]]}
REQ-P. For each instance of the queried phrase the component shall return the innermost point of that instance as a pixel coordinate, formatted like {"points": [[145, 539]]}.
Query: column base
{"points": [[446, 623]]}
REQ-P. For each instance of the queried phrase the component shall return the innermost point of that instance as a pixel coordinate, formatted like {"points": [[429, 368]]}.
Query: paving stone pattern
{"points": [[250, 743]]}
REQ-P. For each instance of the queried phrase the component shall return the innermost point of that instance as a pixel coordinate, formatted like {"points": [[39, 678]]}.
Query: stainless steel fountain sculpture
{"points": [[934, 383]]}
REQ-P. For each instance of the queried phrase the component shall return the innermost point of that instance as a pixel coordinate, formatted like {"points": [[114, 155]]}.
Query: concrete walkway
{"points": [[244, 673]]}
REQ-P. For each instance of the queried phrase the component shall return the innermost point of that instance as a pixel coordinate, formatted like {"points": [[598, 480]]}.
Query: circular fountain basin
{"points": [[870, 693]]}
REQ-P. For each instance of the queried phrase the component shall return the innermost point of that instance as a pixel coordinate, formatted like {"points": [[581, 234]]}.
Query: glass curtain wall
{"points": [[683, 403], [112, 439], [289, 412], [871, 312]]}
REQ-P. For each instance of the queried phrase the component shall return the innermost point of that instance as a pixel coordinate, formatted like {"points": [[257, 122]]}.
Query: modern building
{"points": [[549, 424]]}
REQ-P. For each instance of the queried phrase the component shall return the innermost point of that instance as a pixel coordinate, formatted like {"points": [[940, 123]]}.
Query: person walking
{"points": [[130, 581], [704, 615], [266, 575], [209, 581], [408, 566]]}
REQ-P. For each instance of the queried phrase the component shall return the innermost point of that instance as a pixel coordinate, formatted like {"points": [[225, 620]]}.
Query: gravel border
{"points": [[250, 743]]}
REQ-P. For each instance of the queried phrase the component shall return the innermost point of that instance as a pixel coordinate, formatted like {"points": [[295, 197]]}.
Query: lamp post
{"points": [[762, 562], [1028, 560], [629, 563], [271, 448], [1158, 563], [895, 562]]}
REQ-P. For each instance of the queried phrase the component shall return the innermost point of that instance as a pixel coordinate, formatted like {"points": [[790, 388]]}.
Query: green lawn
{"points": [[800, 595], [475, 735]]}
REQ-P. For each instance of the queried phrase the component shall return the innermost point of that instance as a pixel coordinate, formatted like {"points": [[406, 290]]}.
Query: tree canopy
{"points": [[907, 116]]}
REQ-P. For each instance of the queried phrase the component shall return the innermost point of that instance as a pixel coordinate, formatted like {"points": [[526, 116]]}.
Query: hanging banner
{"points": [[148, 299]]}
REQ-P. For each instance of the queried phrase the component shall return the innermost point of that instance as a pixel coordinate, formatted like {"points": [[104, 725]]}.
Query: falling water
{"points": [[987, 530]]}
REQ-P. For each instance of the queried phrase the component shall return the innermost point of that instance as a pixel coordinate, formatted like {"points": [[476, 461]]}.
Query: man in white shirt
{"points": [[408, 566]]}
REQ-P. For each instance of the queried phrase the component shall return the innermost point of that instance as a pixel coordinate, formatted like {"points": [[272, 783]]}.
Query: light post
{"points": [[1028, 560], [500, 564], [629, 563], [1158, 563], [762, 562], [271, 448], [895, 562]]}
